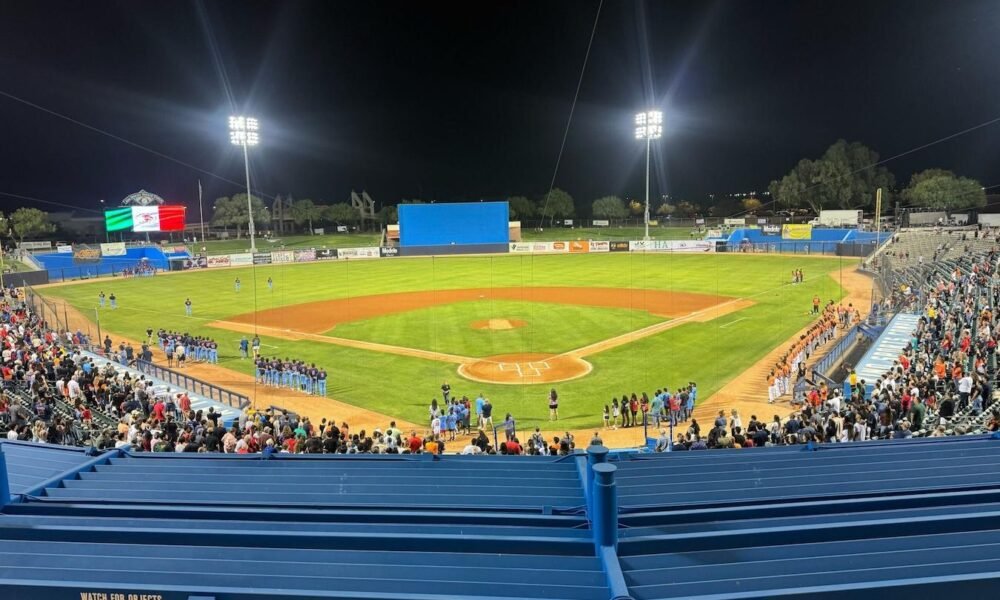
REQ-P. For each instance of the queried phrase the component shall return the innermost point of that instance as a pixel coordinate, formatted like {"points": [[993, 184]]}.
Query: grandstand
{"points": [[851, 520]]}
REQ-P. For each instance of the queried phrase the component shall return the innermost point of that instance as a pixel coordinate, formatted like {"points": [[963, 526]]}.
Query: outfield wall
{"points": [[91, 261], [444, 228]]}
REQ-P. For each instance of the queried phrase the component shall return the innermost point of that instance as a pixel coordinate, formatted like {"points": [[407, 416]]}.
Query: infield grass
{"points": [[709, 353]]}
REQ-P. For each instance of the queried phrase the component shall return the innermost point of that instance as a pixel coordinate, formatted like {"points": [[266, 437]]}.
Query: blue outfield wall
{"points": [[478, 223], [63, 266]]}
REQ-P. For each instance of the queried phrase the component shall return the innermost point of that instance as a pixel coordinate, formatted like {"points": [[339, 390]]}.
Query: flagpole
{"points": [[201, 211]]}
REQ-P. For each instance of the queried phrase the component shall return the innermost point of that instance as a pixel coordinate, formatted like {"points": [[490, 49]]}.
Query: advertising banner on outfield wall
{"points": [[736, 222], [771, 229], [218, 261], [244, 258], [671, 246], [113, 249], [358, 252], [600, 246], [282, 256], [559, 247], [618, 247], [262, 258], [195, 262], [35, 245], [64, 249], [387, 251], [326, 254], [520, 247], [601, 222], [305, 255], [579, 247], [796, 232], [714, 233]]}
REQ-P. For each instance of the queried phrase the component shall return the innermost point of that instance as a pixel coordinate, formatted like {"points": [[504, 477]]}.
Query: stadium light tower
{"points": [[243, 132], [649, 127]]}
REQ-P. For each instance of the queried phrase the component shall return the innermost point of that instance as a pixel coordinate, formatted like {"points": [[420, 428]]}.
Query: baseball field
{"points": [[391, 331]]}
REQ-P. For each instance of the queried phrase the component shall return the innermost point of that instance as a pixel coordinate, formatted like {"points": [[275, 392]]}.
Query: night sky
{"points": [[469, 100]]}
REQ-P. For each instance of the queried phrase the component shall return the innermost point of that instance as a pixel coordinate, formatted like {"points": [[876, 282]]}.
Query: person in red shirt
{"points": [[415, 443], [514, 447], [158, 410]]}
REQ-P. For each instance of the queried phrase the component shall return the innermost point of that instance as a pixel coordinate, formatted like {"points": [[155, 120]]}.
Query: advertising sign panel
{"points": [[387, 251], [282, 256], [262, 258], [618, 247], [244, 258], [113, 249], [600, 246], [796, 232], [348, 253], [218, 261], [601, 223], [579, 247], [305, 255], [326, 254], [64, 249]]}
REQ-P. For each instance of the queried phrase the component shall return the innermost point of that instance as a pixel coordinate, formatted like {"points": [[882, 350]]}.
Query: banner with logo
{"points": [[262, 258], [618, 247], [601, 223], [387, 251], [579, 247], [175, 249], [35, 245], [796, 232], [771, 229], [559, 247], [714, 233], [305, 255], [326, 254], [63, 249], [372, 252], [699, 221], [520, 247], [600, 246], [196, 262], [671, 246], [241, 259], [218, 261], [113, 249], [86, 254], [735, 222], [282, 256], [568, 222], [762, 221]]}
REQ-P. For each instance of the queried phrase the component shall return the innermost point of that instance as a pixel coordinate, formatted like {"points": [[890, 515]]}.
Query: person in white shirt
{"points": [[964, 389]]}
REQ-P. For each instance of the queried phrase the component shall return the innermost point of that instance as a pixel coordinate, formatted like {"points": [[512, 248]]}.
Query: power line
{"points": [[123, 140], [572, 108]]}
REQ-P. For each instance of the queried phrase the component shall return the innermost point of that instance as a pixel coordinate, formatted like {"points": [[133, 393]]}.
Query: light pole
{"points": [[243, 132], [649, 127]]}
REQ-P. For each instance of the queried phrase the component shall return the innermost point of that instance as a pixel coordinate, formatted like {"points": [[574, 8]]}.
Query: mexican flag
{"points": [[145, 218]]}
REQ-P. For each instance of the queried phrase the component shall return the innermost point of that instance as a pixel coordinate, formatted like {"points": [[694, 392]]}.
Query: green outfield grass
{"points": [[710, 353], [551, 328]]}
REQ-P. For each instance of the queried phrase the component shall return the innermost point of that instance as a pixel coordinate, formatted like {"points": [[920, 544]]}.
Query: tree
{"points": [[609, 207], [636, 208], [686, 209], [846, 176], [751, 205], [341, 213], [520, 207], [233, 211], [937, 188], [557, 203], [30, 222], [305, 211], [666, 209]]}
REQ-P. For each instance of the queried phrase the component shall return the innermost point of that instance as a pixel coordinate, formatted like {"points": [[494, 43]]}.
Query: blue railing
{"points": [[824, 364], [192, 384]]}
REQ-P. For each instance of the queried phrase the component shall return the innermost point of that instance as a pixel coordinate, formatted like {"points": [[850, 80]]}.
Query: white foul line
{"points": [[731, 322]]}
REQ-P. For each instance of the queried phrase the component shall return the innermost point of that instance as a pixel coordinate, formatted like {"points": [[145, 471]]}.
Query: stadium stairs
{"points": [[880, 520]]}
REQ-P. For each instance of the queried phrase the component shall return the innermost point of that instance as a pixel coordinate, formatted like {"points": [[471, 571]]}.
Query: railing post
{"points": [[595, 455], [605, 505], [4, 481]]}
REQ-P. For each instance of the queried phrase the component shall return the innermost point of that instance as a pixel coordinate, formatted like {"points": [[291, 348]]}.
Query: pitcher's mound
{"points": [[525, 369], [498, 324]]}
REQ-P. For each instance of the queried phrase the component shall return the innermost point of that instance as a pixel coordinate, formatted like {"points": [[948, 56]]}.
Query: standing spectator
{"points": [[553, 405]]}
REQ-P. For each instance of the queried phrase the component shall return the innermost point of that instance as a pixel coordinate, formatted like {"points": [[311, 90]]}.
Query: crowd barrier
{"points": [[194, 385]]}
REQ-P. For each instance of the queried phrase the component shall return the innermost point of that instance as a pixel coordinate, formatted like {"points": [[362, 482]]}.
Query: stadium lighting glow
{"points": [[244, 131], [649, 127]]}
